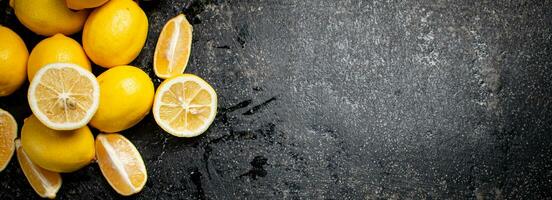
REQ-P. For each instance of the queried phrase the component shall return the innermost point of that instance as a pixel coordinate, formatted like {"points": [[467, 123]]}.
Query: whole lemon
{"points": [[115, 33], [82, 4], [13, 58], [58, 151], [48, 17], [58, 48], [126, 97]]}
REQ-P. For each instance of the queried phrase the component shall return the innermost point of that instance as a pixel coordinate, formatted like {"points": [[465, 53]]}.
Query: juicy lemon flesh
{"points": [[56, 49], [58, 151], [8, 133], [45, 183], [120, 163], [173, 48], [186, 107], [64, 95]]}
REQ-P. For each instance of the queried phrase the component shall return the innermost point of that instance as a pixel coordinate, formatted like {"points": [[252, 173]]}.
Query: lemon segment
{"points": [[185, 105], [45, 183], [64, 96], [173, 48], [120, 163], [8, 133]]}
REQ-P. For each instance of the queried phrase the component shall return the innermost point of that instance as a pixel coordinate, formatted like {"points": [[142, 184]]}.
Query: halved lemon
{"points": [[120, 163], [64, 96], [173, 48], [8, 133], [45, 183], [185, 105]]}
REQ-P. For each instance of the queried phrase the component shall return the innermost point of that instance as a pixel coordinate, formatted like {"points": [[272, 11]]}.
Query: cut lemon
{"points": [[173, 48], [120, 163], [185, 105], [8, 133], [45, 183], [64, 96]]}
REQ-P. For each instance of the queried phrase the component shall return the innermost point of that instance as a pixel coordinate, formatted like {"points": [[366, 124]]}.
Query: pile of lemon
{"points": [[66, 97]]}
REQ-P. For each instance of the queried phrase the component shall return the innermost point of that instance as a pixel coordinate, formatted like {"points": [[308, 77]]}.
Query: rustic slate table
{"points": [[349, 99]]}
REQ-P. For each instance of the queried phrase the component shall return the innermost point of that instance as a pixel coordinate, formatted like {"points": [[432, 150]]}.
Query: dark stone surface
{"points": [[349, 99]]}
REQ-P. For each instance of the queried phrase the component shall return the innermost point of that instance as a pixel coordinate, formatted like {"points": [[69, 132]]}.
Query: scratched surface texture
{"points": [[349, 99]]}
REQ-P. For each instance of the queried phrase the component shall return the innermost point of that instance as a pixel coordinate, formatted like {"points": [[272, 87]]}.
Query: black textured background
{"points": [[347, 99]]}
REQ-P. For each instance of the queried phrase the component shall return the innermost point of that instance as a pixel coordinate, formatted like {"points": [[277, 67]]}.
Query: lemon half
{"points": [[64, 96], [185, 105]]}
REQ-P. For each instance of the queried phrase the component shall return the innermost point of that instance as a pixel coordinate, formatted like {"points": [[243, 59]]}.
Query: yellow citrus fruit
{"points": [[120, 163], [115, 33], [64, 96], [173, 48], [48, 17], [185, 105], [82, 4], [8, 133], [13, 58], [126, 95], [45, 183], [58, 151], [58, 48]]}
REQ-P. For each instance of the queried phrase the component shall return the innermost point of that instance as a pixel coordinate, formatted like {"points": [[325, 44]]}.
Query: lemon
{"points": [[82, 4], [13, 58], [115, 33], [58, 48], [126, 96], [185, 105], [58, 151], [48, 17]]}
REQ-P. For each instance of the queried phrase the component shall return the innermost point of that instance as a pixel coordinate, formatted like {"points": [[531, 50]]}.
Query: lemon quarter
{"points": [[8, 133], [44, 182], [120, 163], [173, 48]]}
